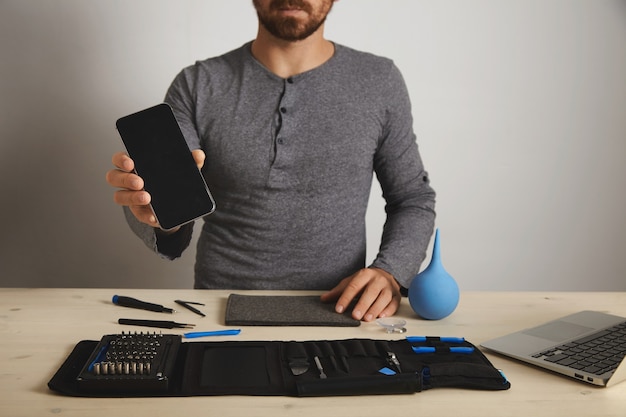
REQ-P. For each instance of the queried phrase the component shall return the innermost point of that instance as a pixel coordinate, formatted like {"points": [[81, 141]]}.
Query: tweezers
{"points": [[187, 305], [161, 324]]}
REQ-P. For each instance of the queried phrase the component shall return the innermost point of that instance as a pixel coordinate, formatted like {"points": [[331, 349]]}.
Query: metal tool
{"points": [[188, 306], [297, 358], [319, 367], [298, 366], [393, 361]]}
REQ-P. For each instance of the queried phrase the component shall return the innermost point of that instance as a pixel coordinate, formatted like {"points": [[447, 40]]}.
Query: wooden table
{"points": [[39, 327]]}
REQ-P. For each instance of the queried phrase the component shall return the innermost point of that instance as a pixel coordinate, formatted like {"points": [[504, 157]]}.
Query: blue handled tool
{"points": [[454, 349], [422, 339]]}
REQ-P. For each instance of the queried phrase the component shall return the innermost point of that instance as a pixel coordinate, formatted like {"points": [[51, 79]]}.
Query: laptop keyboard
{"points": [[596, 354]]}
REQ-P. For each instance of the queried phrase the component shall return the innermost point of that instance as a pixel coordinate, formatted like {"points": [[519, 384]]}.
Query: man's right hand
{"points": [[130, 190], [129, 186]]}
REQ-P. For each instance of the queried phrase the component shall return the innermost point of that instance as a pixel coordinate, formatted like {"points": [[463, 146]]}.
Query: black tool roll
{"points": [[308, 368]]}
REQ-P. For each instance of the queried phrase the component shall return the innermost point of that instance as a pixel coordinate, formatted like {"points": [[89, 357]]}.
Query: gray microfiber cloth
{"points": [[283, 310]]}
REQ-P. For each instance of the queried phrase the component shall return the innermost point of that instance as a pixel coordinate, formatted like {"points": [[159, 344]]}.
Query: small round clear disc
{"points": [[392, 324]]}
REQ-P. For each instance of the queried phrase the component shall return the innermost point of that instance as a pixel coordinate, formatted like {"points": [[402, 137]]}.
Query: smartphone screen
{"points": [[162, 158]]}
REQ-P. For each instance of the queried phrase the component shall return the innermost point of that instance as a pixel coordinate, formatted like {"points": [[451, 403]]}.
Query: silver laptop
{"points": [[588, 346]]}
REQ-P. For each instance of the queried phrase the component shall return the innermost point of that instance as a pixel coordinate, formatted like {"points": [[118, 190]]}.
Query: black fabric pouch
{"points": [[290, 368]]}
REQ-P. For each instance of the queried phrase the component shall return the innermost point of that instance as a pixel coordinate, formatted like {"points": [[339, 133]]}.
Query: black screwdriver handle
{"points": [[121, 300]]}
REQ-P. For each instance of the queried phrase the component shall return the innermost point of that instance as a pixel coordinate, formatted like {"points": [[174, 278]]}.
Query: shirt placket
{"points": [[284, 135]]}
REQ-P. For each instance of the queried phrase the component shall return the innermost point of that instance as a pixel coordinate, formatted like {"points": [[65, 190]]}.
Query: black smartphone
{"points": [[162, 158]]}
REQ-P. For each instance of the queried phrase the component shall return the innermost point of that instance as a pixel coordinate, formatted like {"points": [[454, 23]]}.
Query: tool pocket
{"points": [[245, 368]]}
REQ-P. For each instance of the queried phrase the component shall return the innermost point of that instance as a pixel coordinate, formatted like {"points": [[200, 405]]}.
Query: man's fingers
{"points": [[122, 161], [199, 156], [373, 300], [377, 301], [352, 287], [145, 215], [123, 176], [130, 191], [392, 307], [132, 198], [121, 179], [377, 291]]}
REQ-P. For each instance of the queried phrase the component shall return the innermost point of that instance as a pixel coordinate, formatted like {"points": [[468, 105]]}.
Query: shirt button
{"points": [[280, 141], [283, 110], [290, 80]]}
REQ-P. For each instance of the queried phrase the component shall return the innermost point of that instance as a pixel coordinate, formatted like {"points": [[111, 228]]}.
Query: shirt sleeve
{"points": [[181, 96], [167, 246], [409, 197]]}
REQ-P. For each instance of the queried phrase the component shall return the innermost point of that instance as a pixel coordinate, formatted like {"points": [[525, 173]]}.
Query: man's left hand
{"points": [[379, 294]]}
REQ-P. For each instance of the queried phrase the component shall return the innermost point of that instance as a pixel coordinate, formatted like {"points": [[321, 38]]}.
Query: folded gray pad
{"points": [[282, 310]]}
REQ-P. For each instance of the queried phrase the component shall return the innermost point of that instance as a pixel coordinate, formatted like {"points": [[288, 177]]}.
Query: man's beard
{"points": [[290, 28]]}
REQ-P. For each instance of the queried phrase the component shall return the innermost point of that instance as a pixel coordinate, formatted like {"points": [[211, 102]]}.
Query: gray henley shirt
{"points": [[290, 164]]}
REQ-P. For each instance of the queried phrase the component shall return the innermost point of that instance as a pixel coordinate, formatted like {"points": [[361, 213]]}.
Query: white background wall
{"points": [[520, 112]]}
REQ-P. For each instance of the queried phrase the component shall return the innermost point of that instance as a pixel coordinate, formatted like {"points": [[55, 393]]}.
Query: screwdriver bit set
{"points": [[131, 362]]}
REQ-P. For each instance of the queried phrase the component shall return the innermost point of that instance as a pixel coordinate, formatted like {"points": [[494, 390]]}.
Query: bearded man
{"points": [[289, 130]]}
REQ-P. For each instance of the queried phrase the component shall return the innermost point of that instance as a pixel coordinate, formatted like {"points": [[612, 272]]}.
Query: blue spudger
{"points": [[229, 332]]}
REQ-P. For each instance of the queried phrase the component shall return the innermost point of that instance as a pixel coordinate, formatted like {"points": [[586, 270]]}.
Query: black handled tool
{"points": [[143, 305], [161, 324]]}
